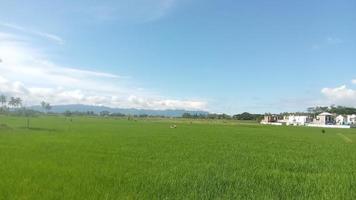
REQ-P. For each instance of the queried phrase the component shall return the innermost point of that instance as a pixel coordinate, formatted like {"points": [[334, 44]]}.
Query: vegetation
{"points": [[341, 110], [207, 116], [88, 155], [248, 116], [46, 106], [15, 102], [3, 100], [114, 158]]}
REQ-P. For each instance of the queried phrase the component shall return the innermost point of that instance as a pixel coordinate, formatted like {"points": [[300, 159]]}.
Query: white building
{"points": [[341, 120], [351, 119], [297, 120], [325, 119]]}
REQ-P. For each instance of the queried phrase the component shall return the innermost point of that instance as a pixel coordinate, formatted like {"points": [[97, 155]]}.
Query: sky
{"points": [[226, 56]]}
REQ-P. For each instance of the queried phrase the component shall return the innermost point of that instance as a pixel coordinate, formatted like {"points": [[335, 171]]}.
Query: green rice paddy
{"points": [[108, 158]]}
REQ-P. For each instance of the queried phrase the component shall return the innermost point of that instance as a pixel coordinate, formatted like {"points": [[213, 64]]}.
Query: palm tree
{"points": [[12, 102], [46, 106], [3, 100], [18, 101], [43, 105], [15, 102]]}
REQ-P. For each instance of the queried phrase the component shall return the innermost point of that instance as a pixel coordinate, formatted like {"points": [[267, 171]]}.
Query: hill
{"points": [[126, 111]]}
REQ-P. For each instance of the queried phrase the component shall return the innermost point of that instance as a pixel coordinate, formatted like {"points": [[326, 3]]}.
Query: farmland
{"points": [[116, 158]]}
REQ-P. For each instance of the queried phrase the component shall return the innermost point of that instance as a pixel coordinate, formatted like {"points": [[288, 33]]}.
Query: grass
{"points": [[98, 158]]}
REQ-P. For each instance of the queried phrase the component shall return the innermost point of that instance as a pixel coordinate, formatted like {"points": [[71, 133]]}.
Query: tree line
{"points": [[312, 111], [13, 102], [340, 110], [242, 116], [109, 114], [15, 105]]}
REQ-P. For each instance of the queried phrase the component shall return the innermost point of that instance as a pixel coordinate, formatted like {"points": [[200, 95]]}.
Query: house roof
{"points": [[325, 114]]}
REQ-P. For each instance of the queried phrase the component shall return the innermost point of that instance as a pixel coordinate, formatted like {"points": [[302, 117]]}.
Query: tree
{"points": [[117, 115], [67, 113], [18, 102], [187, 115], [46, 106], [340, 110], [311, 110], [104, 113], [28, 114], [12, 102], [3, 100], [15, 102], [248, 116], [43, 105]]}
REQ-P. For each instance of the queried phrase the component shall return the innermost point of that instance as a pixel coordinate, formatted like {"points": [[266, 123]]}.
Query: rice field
{"points": [[108, 158]]}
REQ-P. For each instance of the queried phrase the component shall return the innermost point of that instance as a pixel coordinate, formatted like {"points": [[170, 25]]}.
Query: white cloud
{"points": [[340, 95], [354, 81], [166, 103], [27, 72], [48, 36], [16, 88], [59, 95]]}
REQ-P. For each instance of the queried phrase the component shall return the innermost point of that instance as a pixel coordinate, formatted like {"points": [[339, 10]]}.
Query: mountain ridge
{"points": [[126, 111]]}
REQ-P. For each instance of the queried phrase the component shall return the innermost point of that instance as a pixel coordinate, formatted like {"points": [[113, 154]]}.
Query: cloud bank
{"points": [[340, 95], [27, 72]]}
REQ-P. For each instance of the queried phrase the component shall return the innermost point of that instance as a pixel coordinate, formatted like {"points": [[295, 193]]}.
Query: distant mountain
{"points": [[126, 111]]}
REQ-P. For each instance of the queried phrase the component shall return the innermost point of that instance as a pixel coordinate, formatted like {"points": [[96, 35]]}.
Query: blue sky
{"points": [[222, 56]]}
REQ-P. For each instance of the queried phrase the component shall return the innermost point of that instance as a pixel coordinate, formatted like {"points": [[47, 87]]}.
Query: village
{"points": [[325, 120]]}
